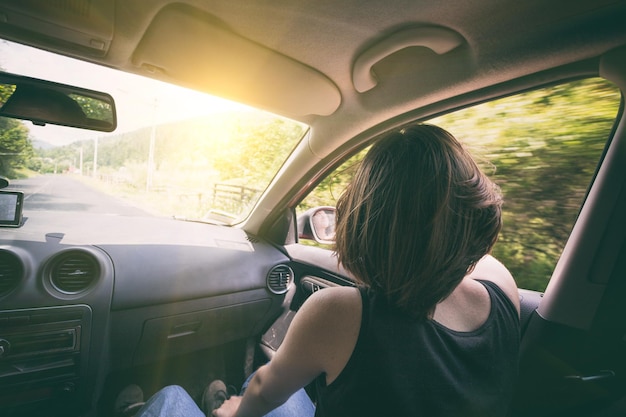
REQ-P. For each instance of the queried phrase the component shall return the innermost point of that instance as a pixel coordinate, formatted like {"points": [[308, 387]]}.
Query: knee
{"points": [[171, 400], [173, 391], [169, 394]]}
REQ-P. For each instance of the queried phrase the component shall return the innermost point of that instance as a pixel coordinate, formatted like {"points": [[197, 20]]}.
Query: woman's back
{"points": [[400, 366]]}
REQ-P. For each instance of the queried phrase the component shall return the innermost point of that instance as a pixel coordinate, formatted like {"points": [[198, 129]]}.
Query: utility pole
{"points": [[151, 159], [95, 158], [151, 149]]}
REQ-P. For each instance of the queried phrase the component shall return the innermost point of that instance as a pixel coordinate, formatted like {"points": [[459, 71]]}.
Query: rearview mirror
{"points": [[44, 102]]}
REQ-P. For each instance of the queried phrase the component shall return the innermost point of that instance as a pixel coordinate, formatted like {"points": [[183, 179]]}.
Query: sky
{"points": [[139, 101]]}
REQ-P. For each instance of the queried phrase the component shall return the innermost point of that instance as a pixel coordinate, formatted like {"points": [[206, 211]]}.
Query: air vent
{"points": [[252, 239], [11, 272], [74, 272], [279, 279]]}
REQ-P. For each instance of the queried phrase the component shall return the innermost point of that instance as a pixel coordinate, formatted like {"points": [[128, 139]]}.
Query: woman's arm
{"points": [[320, 339]]}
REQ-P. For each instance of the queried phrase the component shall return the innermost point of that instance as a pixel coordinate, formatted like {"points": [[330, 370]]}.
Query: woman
{"points": [[433, 327]]}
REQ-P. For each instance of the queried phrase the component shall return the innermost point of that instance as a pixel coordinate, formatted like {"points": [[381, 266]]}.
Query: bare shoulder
{"points": [[327, 312], [339, 296], [490, 269], [336, 303]]}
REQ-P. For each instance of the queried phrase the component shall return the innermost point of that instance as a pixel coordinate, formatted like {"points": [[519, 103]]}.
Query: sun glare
{"points": [[140, 101]]}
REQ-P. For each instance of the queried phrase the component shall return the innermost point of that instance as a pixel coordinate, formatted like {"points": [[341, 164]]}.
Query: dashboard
{"points": [[85, 298]]}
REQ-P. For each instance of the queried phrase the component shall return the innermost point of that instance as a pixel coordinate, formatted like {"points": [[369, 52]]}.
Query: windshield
{"points": [[175, 152]]}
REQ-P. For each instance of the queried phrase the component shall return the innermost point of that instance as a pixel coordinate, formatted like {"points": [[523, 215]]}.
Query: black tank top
{"points": [[400, 367]]}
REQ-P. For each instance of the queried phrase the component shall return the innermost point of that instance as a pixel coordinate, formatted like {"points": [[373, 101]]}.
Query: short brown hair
{"points": [[416, 218]]}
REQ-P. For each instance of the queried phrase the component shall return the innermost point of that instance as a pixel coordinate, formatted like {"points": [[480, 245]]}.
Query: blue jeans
{"points": [[174, 401]]}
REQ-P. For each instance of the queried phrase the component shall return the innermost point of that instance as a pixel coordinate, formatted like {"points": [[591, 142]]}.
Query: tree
{"points": [[15, 146], [93, 108]]}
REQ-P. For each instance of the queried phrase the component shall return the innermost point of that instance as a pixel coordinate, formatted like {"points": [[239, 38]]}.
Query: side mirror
{"points": [[318, 224], [44, 102]]}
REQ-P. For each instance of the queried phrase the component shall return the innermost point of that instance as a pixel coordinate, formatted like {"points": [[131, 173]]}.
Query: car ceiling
{"points": [[302, 58], [327, 36]]}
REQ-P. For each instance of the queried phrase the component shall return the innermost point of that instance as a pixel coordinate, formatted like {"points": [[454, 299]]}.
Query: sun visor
{"points": [[191, 48], [85, 26]]}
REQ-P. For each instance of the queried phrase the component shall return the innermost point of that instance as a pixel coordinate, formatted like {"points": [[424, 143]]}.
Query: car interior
{"points": [[91, 302]]}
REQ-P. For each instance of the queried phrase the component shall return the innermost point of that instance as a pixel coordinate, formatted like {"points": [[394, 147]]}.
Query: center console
{"points": [[43, 358]]}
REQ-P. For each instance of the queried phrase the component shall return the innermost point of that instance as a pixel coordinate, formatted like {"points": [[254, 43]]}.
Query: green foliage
{"points": [[6, 90], [15, 146], [94, 109], [331, 187]]}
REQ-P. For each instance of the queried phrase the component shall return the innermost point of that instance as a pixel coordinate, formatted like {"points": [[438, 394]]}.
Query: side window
{"points": [[542, 148]]}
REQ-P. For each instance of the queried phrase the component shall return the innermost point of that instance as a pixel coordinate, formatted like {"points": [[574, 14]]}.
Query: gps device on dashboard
{"points": [[11, 208]]}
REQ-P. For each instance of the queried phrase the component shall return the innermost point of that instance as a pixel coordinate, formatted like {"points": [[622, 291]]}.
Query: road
{"points": [[68, 193]]}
